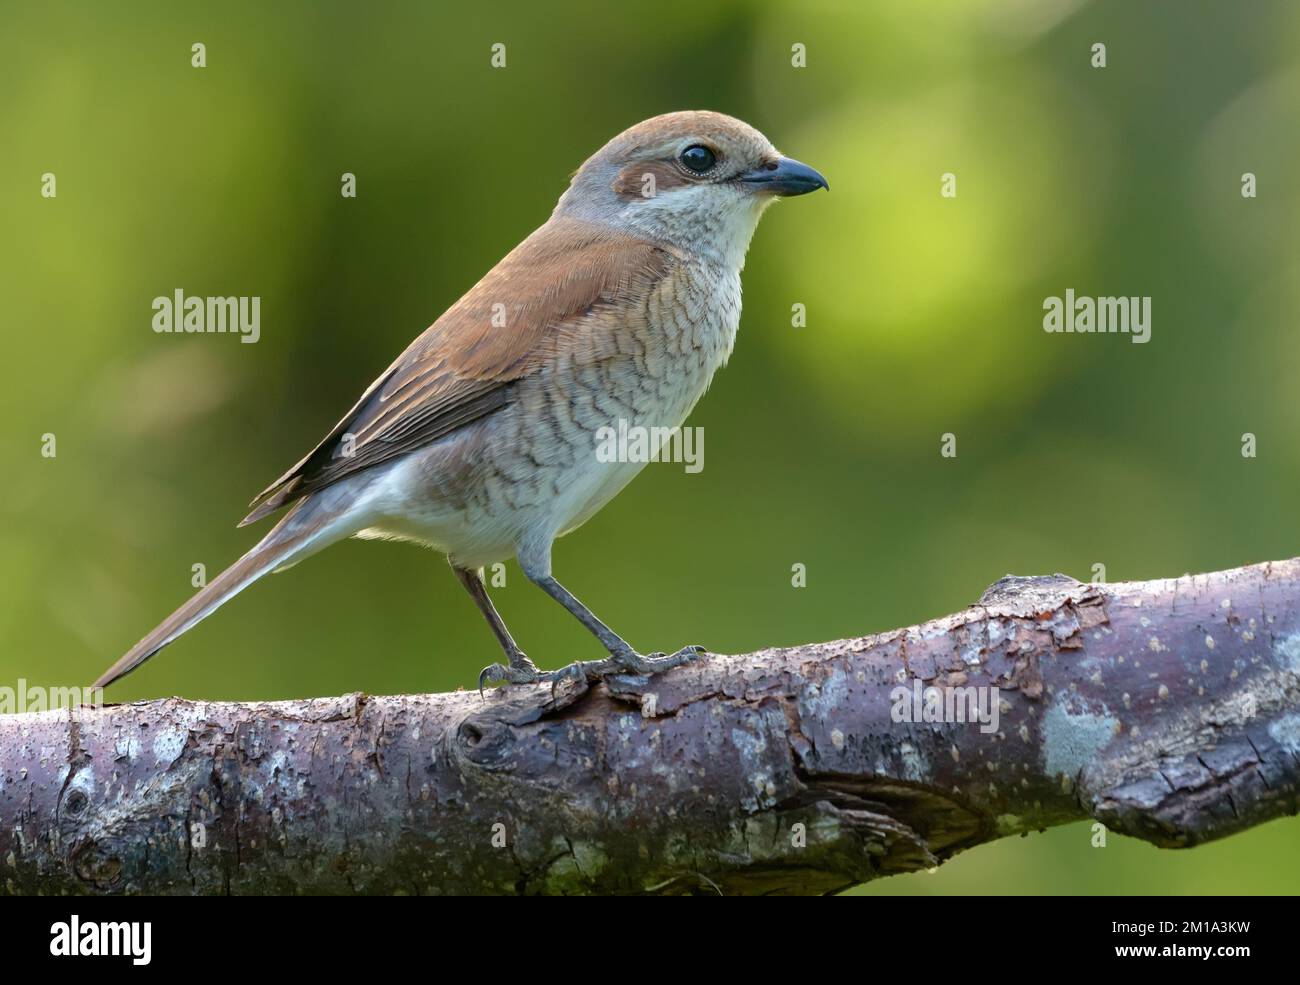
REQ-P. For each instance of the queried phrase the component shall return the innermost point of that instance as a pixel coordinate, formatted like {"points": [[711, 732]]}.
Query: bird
{"points": [[479, 439]]}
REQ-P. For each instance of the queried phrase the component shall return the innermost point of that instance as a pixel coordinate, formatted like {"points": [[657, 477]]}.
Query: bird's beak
{"points": [[784, 176]]}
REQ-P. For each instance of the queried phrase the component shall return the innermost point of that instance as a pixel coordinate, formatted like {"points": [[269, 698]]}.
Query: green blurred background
{"points": [[822, 442]]}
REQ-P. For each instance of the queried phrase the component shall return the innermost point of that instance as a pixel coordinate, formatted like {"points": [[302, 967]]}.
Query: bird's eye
{"points": [[697, 158]]}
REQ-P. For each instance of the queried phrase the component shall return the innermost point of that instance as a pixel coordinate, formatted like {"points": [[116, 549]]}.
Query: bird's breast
{"points": [[640, 365], [642, 370], [536, 466], [658, 357]]}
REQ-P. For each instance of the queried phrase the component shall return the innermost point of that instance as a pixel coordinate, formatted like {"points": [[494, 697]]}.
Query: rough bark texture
{"points": [[1168, 710]]}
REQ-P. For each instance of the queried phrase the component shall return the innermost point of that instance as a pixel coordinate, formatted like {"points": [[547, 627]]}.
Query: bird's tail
{"points": [[307, 528]]}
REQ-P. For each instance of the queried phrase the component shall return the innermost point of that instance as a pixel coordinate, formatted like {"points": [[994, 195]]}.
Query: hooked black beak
{"points": [[784, 176]]}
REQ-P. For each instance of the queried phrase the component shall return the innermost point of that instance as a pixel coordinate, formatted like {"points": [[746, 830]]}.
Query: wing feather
{"points": [[461, 368]]}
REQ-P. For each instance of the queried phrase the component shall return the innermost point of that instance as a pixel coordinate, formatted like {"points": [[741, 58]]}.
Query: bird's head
{"points": [[698, 181]]}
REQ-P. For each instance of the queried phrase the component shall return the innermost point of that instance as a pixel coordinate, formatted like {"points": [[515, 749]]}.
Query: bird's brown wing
{"points": [[460, 368]]}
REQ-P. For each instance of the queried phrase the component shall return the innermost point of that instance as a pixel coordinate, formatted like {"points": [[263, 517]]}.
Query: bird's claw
{"points": [[634, 663], [520, 670], [576, 671], [524, 671]]}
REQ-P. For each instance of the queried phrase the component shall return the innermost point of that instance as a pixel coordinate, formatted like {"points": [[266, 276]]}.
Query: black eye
{"points": [[697, 158]]}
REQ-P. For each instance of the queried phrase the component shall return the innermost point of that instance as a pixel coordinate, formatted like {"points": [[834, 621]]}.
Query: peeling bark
{"points": [[1168, 710]]}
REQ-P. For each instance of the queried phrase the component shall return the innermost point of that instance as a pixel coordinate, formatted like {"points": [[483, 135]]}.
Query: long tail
{"points": [[307, 528]]}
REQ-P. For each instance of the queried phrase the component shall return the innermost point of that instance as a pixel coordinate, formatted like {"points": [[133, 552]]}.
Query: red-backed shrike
{"points": [[480, 440]]}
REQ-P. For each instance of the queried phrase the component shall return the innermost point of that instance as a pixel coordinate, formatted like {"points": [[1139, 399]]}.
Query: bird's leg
{"points": [[518, 669], [622, 656]]}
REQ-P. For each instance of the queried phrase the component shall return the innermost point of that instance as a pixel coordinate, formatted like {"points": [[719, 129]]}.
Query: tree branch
{"points": [[1168, 710]]}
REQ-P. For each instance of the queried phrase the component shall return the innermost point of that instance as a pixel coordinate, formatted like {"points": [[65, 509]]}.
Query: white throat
{"points": [[712, 222]]}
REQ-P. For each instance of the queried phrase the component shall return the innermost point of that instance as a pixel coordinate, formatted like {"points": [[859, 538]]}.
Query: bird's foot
{"points": [[630, 662], [521, 670]]}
